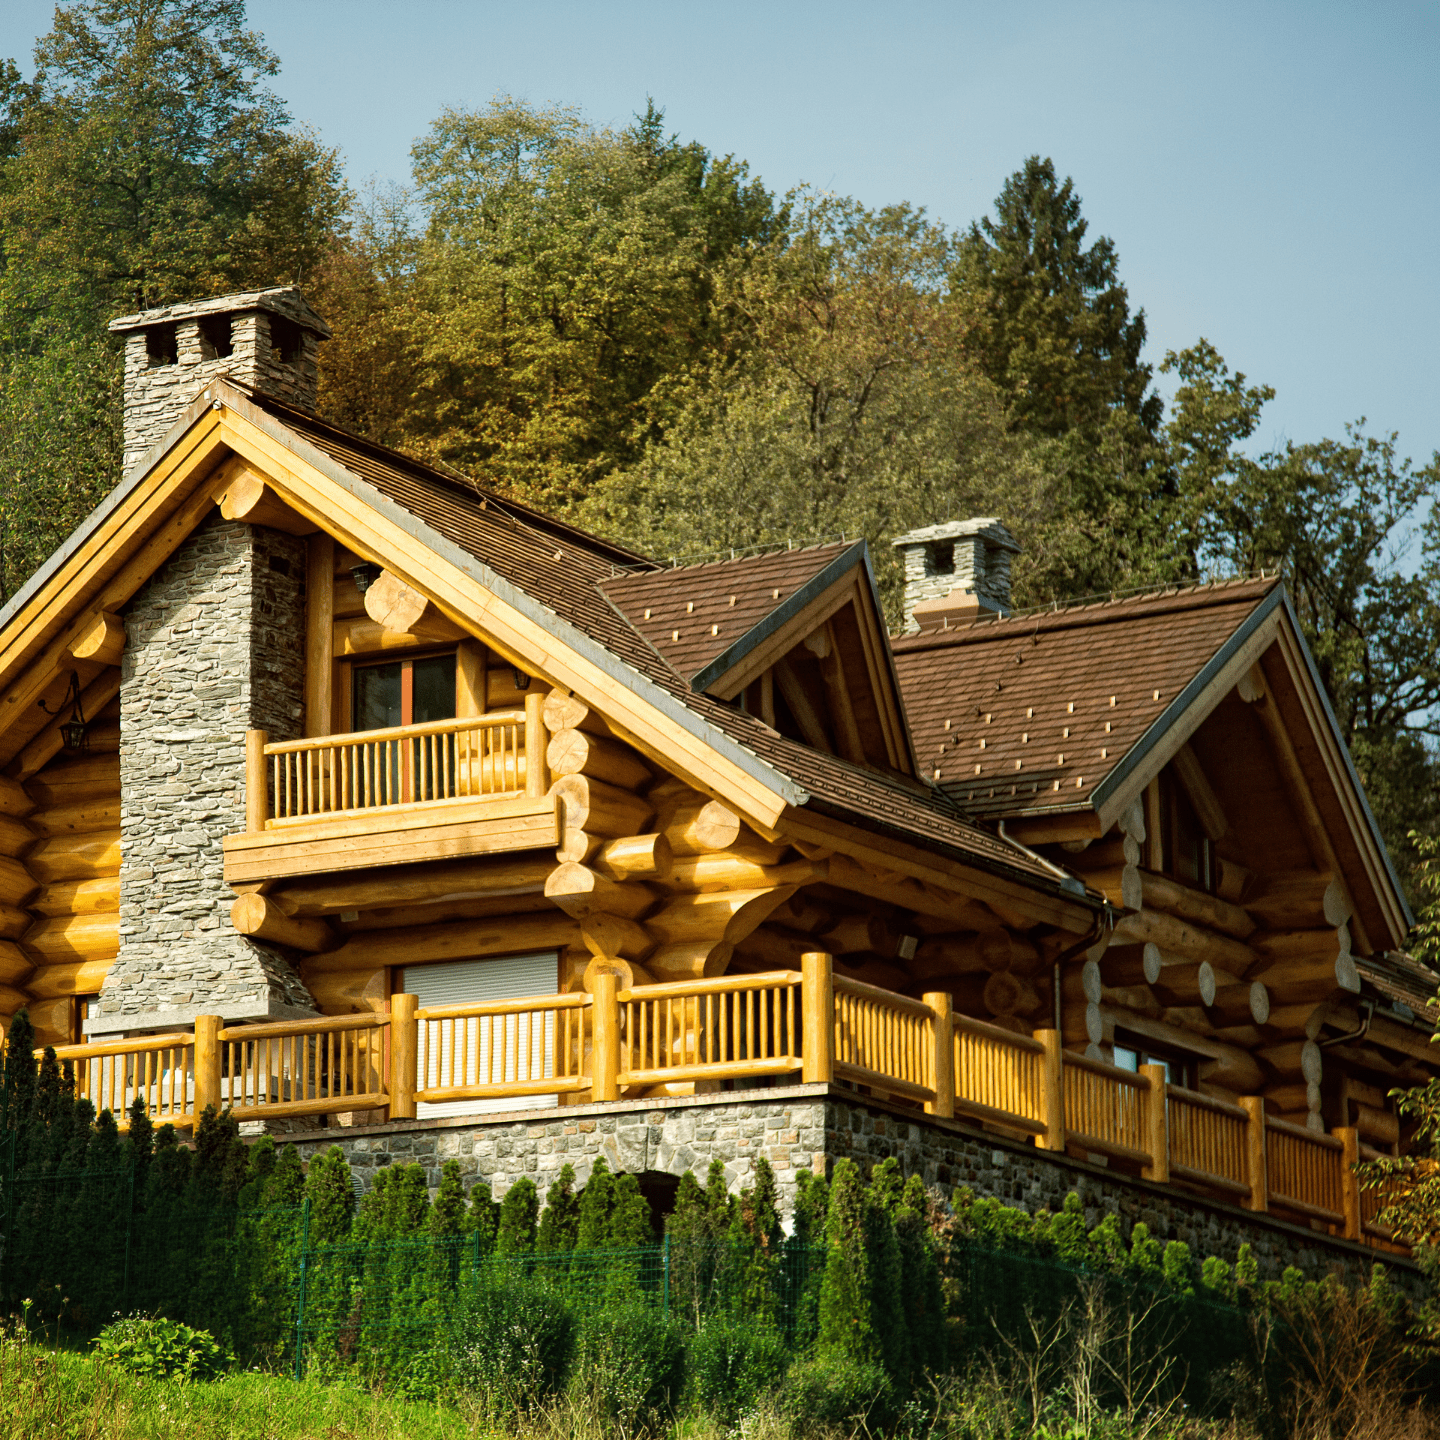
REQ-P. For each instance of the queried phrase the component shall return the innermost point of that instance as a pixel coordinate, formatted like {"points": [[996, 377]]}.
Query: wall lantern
{"points": [[365, 575], [521, 679], [72, 731]]}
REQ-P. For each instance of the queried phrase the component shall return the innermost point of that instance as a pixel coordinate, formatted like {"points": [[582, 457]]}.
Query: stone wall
{"points": [[810, 1127], [214, 646]]}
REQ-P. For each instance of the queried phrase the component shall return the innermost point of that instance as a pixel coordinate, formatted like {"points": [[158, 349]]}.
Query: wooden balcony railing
{"points": [[481, 756], [740, 1028]]}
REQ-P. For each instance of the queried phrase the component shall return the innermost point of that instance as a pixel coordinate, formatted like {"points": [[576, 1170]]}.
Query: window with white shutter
{"points": [[468, 1047]]}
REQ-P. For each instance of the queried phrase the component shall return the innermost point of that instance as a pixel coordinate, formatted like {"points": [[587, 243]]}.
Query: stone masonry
{"points": [[971, 557], [810, 1127], [268, 340], [215, 646]]}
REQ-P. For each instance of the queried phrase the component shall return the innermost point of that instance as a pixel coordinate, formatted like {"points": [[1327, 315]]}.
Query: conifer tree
{"points": [[922, 1294], [631, 1222], [560, 1222], [847, 1322], [597, 1199], [18, 1080], [518, 1212], [812, 1200], [483, 1218], [331, 1194], [445, 1225]]}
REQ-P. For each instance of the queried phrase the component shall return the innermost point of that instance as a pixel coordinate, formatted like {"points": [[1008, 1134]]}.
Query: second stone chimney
{"points": [[956, 573], [267, 340]]}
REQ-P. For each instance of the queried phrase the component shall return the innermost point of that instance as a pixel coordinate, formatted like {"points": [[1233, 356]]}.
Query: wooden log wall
{"points": [[60, 873]]}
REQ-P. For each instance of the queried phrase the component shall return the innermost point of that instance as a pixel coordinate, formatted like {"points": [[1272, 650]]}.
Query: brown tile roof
{"points": [[1397, 977], [694, 614], [569, 572], [1035, 711]]}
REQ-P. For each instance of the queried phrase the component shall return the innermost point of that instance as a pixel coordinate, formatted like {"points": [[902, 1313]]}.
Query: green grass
{"points": [[58, 1395]]}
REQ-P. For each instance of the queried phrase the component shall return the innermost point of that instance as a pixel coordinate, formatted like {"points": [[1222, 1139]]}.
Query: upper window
{"points": [[1186, 851], [161, 346], [403, 692]]}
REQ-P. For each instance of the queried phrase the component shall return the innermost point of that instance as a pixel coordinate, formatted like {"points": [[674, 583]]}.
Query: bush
{"points": [[161, 1348], [832, 1390], [631, 1364], [510, 1342], [733, 1365]]}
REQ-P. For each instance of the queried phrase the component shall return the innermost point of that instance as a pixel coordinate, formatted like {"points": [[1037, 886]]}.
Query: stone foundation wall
{"points": [[810, 1127], [214, 646]]}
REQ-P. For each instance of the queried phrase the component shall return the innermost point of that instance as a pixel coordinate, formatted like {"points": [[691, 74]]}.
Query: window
{"points": [[503, 1048], [403, 692], [285, 339], [1131, 1053], [1185, 849]]}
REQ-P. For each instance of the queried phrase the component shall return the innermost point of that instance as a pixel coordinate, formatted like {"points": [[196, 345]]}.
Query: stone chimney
{"points": [[267, 340], [956, 573]]}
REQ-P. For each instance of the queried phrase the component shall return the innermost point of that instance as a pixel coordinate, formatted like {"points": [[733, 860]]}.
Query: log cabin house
{"points": [[334, 785]]}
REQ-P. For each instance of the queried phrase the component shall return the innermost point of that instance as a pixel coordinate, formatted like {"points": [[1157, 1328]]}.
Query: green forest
{"points": [[624, 329]]}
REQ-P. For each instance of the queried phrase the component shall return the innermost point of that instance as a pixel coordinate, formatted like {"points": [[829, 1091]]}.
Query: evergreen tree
{"points": [[19, 1081], [331, 1194], [922, 1294], [560, 1222], [755, 1239], [597, 1200], [445, 1226], [631, 1223], [483, 1218], [812, 1201], [518, 1212], [847, 1321]]}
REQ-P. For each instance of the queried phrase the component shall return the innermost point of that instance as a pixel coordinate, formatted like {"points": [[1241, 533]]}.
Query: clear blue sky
{"points": [[1268, 171]]}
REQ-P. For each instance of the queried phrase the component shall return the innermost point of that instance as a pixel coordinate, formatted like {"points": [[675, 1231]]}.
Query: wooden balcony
{"points": [[808, 1025], [443, 790]]}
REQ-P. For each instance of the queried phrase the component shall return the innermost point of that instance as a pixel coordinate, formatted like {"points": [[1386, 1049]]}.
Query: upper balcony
{"points": [[441, 790]]}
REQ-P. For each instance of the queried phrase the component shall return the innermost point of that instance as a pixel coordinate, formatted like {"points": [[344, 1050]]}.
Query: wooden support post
{"points": [[817, 1001], [537, 780], [404, 1051], [606, 1054], [1255, 1168], [207, 1063], [1349, 1137], [257, 790], [1157, 1127], [942, 1039], [1052, 1091]]}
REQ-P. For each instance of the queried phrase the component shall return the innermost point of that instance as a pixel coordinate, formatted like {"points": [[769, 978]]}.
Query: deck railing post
{"points": [[1052, 1091], [942, 1043], [1157, 1127], [1255, 1168], [257, 796], [606, 1056], [817, 1000], [207, 1063], [404, 1055], [1349, 1137], [537, 781]]}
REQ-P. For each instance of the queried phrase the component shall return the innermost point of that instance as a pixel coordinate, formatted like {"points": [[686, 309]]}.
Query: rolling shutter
{"points": [[516, 977]]}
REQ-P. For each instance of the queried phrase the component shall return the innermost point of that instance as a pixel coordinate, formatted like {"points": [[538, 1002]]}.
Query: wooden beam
{"points": [[579, 892], [1160, 893], [101, 640], [360, 635], [837, 692], [801, 708], [1312, 825], [1208, 809], [319, 634], [469, 679], [416, 885], [463, 940], [1072, 828], [245, 496], [260, 918]]}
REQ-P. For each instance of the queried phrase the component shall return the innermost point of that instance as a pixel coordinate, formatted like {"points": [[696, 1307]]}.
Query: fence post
{"points": [[1157, 1127], [1255, 1169], [1349, 1137], [606, 1009], [1052, 1091], [207, 1063], [404, 1050], [537, 782], [300, 1291], [942, 1038], [257, 797], [817, 1001]]}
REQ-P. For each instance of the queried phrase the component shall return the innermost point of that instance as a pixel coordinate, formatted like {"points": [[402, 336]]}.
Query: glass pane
{"points": [[377, 696], [434, 689], [1126, 1059]]}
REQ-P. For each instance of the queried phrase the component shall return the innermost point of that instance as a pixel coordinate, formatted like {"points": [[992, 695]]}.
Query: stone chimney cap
{"points": [[283, 300], [989, 528]]}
